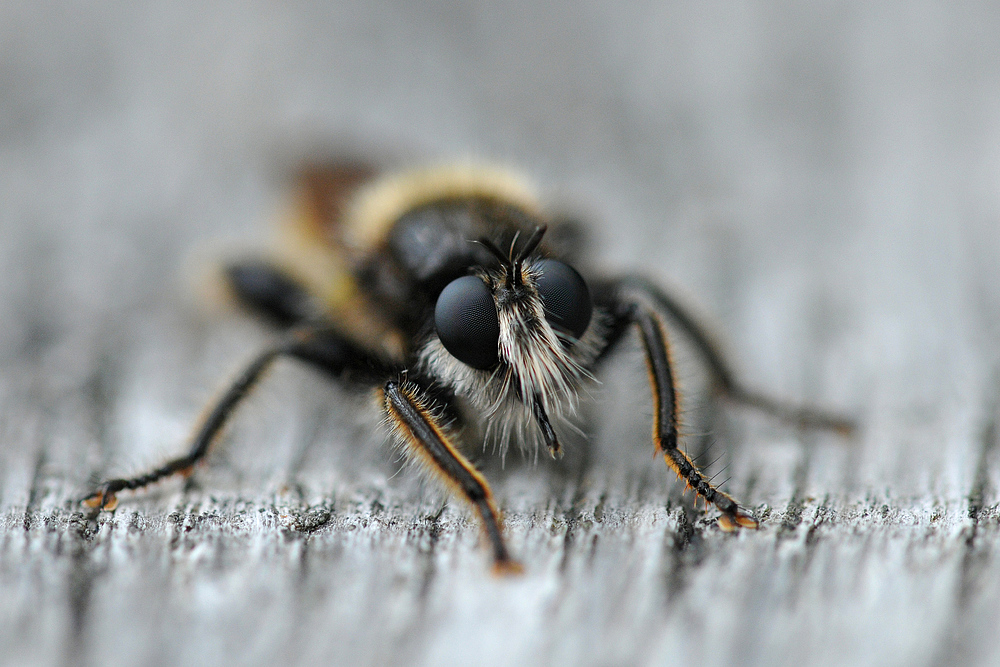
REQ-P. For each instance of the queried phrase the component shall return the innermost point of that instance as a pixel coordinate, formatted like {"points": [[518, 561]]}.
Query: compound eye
{"points": [[565, 297], [467, 322]]}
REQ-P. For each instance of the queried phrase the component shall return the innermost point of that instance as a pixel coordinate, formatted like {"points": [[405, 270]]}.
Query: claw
{"points": [[101, 499], [93, 501], [507, 568], [737, 520]]}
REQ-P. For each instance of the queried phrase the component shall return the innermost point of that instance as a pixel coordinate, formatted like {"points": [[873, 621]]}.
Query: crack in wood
{"points": [[978, 552]]}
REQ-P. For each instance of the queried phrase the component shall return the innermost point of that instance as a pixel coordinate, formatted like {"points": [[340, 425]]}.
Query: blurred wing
{"points": [[311, 248]]}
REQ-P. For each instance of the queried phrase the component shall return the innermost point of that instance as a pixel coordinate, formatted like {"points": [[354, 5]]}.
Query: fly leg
{"points": [[417, 426], [322, 348], [722, 374], [631, 312]]}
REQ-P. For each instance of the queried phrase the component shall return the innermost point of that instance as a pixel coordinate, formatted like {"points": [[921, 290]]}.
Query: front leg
{"points": [[417, 427], [665, 420], [321, 347]]}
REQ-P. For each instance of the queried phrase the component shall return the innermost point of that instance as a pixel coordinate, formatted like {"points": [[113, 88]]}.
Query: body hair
{"points": [[535, 362]]}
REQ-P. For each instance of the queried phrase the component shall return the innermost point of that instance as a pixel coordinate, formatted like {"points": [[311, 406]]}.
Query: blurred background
{"points": [[822, 181]]}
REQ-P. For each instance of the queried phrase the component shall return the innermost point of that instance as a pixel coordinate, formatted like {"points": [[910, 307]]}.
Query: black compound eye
{"points": [[565, 297], [467, 322]]}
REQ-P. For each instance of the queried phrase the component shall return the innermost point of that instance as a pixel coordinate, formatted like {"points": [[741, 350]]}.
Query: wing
{"points": [[309, 261]]}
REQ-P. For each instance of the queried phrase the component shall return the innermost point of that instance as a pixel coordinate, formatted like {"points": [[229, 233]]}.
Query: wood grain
{"points": [[818, 182]]}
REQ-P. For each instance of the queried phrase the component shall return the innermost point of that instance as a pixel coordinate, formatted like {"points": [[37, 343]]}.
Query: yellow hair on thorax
{"points": [[378, 205]]}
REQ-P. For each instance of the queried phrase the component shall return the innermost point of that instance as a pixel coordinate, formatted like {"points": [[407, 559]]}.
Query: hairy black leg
{"points": [[269, 291], [627, 312], [412, 417], [324, 349], [665, 428], [722, 374]]}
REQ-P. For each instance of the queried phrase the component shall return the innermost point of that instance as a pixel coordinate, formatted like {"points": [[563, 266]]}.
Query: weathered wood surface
{"points": [[824, 182]]}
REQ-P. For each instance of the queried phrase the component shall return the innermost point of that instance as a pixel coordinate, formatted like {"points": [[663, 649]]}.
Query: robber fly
{"points": [[451, 291]]}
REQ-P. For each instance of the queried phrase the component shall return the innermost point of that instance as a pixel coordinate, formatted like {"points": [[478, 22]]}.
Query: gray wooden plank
{"points": [[820, 181]]}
